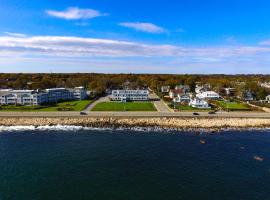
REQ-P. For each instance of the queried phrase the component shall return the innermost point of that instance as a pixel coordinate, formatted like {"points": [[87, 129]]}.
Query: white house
{"points": [[265, 84], [200, 89], [208, 95], [165, 89], [175, 93], [182, 98], [268, 99], [199, 103], [248, 96], [184, 88], [229, 91], [130, 95]]}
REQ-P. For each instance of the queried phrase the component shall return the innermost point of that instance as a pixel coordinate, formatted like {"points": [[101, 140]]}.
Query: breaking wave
{"points": [[66, 128]]}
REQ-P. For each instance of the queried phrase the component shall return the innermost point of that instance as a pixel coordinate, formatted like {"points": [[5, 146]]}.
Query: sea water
{"points": [[50, 163]]}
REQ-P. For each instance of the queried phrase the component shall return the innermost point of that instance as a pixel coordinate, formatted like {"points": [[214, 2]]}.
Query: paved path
{"points": [[160, 104], [92, 105]]}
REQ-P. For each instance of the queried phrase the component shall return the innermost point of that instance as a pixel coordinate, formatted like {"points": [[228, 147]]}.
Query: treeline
{"points": [[100, 82]]}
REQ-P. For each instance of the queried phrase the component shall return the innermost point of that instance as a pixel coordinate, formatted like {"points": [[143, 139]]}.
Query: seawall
{"points": [[129, 122]]}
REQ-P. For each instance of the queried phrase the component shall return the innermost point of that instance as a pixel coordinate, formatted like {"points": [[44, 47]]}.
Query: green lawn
{"points": [[129, 106], [187, 108], [233, 106], [63, 106]]}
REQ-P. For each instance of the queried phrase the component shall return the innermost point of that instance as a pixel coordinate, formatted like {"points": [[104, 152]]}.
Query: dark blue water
{"points": [[116, 165]]}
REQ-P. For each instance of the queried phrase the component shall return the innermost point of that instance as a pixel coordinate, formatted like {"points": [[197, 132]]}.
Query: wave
{"points": [[46, 128], [67, 128]]}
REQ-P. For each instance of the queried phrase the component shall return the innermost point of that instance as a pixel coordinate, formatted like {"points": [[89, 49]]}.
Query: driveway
{"points": [[92, 105], [161, 106]]}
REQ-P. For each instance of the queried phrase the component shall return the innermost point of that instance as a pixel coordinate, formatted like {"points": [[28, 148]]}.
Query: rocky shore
{"points": [[163, 123]]}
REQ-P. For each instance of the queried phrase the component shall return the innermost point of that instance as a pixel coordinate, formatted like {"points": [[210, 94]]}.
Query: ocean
{"points": [[47, 163]]}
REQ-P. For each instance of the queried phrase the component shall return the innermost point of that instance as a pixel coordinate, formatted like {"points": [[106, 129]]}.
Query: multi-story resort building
{"points": [[36, 97], [130, 95]]}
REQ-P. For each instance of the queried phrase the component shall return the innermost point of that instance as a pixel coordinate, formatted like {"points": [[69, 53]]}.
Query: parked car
{"points": [[83, 113], [196, 113]]}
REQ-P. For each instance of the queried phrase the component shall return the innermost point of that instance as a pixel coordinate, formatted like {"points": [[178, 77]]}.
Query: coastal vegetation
{"points": [[129, 106]]}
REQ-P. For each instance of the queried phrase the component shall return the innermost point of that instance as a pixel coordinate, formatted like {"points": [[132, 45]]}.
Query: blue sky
{"points": [[120, 36]]}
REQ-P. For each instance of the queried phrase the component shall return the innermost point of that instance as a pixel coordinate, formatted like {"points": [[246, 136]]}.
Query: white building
{"points": [[130, 95], [268, 99], [229, 91], [79, 93], [199, 103], [185, 88], [200, 89], [265, 84], [175, 93], [36, 97], [208, 95], [165, 89], [182, 98], [248, 96]]}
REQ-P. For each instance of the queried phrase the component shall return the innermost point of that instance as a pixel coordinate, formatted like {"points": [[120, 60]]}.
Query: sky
{"points": [[142, 36]]}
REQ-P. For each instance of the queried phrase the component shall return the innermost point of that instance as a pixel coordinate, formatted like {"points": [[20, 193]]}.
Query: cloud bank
{"points": [[104, 55], [78, 46]]}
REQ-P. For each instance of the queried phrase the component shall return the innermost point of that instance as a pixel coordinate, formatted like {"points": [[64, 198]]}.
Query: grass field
{"points": [[187, 108], [233, 106], [129, 106], [63, 106]]}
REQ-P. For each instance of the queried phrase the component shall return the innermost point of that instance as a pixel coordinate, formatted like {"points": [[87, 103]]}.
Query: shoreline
{"points": [[162, 123]]}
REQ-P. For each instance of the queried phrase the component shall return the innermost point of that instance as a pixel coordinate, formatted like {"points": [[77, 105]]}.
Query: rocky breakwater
{"points": [[162, 122]]}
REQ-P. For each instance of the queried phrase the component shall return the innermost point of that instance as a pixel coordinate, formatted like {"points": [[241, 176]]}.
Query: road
{"points": [[136, 114]]}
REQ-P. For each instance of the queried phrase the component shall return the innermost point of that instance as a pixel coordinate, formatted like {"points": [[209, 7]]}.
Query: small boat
{"points": [[203, 141], [258, 158]]}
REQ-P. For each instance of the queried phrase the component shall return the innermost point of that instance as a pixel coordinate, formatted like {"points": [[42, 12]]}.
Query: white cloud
{"points": [[74, 13], [73, 54], [144, 27], [14, 34], [265, 43]]}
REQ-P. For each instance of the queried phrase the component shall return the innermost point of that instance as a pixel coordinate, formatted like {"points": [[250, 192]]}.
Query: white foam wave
{"points": [[46, 128], [67, 128]]}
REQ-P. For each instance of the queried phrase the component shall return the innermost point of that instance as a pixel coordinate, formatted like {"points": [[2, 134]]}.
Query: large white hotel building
{"points": [[130, 95], [36, 97]]}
